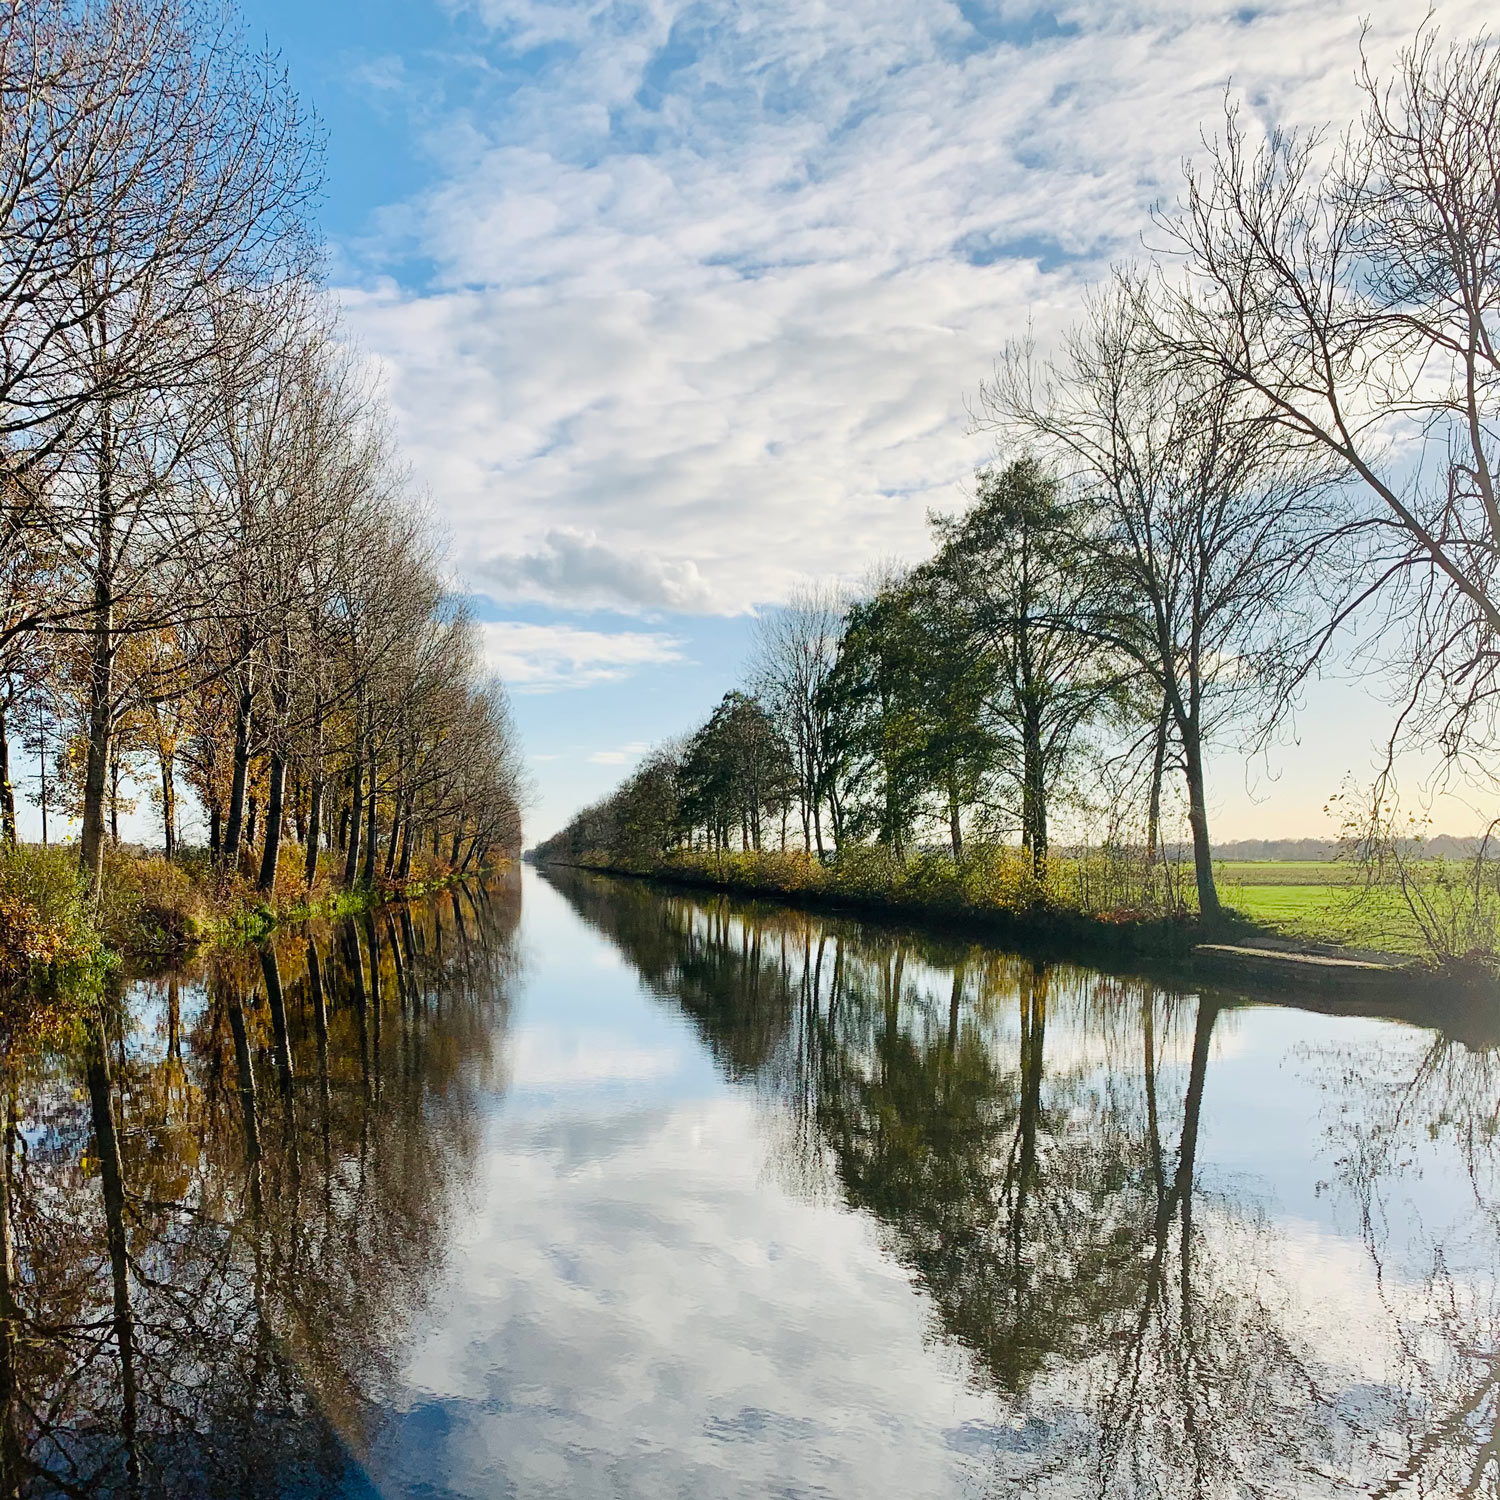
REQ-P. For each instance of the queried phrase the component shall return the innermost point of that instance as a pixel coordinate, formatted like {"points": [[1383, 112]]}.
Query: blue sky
{"points": [[678, 302]]}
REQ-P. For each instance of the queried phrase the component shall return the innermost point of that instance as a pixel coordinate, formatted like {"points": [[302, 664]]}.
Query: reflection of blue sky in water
{"points": [[644, 1299], [636, 1306]]}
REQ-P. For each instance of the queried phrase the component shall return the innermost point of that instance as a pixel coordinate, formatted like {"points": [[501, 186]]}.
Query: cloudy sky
{"points": [[679, 302]]}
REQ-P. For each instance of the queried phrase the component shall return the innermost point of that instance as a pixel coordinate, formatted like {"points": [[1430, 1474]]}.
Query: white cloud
{"points": [[555, 1057], [576, 567], [620, 757], [712, 284], [544, 658], [664, 1320]]}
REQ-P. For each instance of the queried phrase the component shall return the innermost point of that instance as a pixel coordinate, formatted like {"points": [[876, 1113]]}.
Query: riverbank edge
{"points": [[1227, 953], [254, 922], [39, 996]]}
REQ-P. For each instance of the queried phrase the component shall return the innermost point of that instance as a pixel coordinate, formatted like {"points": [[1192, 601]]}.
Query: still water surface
{"points": [[570, 1187]]}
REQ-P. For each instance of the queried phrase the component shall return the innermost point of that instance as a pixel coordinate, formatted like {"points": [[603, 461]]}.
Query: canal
{"points": [[573, 1187]]}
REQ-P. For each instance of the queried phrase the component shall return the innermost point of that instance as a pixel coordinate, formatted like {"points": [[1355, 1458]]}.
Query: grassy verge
{"points": [[52, 953], [58, 945], [1324, 902], [1102, 902], [54, 937]]}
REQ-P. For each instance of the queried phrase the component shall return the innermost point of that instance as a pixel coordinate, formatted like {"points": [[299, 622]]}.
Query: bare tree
{"points": [[208, 169], [795, 651], [1200, 520], [1354, 289]]}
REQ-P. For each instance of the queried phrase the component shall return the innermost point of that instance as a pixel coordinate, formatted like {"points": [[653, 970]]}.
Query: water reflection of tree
{"points": [[217, 1226], [1027, 1138], [1395, 1102]]}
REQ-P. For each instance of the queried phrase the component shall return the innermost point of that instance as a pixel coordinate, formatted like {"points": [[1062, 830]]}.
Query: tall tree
{"points": [[796, 648], [203, 181], [1016, 571], [1355, 292], [1198, 523]]}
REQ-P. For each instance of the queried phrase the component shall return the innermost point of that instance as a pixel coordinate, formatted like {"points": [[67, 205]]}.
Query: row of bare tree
{"points": [[210, 575], [1280, 433]]}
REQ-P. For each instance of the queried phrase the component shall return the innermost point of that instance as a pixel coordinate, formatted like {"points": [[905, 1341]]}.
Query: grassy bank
{"points": [[1440, 912], [1103, 903], [55, 939], [1109, 901]]}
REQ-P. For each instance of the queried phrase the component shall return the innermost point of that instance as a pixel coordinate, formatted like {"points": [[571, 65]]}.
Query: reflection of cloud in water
{"points": [[550, 1057], [1105, 1190], [635, 1314]]}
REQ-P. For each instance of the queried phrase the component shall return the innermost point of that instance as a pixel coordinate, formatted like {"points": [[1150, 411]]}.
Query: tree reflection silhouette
{"points": [[1392, 1108], [1027, 1138], [219, 1221]]}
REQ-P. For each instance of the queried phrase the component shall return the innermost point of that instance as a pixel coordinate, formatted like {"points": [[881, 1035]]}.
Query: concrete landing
{"points": [[1278, 965]]}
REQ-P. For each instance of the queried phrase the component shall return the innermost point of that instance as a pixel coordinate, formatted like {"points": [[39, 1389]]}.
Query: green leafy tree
{"points": [[1013, 573], [736, 770]]}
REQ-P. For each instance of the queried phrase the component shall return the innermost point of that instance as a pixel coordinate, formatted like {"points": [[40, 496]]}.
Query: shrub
{"points": [[150, 905], [50, 950], [1112, 883]]}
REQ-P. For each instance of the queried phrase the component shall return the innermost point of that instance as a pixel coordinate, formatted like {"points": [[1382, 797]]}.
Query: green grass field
{"points": [[1262, 872], [1318, 901]]}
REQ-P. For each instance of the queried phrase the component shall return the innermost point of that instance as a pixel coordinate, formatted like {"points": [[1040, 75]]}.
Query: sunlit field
{"points": [[1320, 901]]}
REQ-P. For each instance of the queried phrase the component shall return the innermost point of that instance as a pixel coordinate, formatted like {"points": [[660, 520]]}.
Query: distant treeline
{"points": [[213, 581], [1284, 428], [1442, 846]]}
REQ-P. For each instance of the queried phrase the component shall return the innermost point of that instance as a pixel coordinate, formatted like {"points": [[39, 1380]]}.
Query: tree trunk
{"points": [[168, 802], [1203, 858], [314, 829], [275, 810], [244, 703], [7, 791], [41, 727], [351, 847], [101, 666], [96, 768], [1034, 795], [215, 833], [114, 799], [1158, 765], [406, 842], [955, 827], [392, 847], [372, 840]]}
